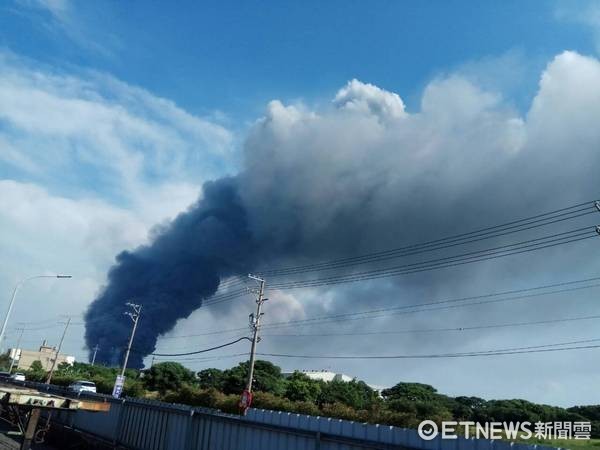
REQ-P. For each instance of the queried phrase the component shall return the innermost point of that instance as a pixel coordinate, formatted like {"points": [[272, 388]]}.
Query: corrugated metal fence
{"points": [[151, 425]]}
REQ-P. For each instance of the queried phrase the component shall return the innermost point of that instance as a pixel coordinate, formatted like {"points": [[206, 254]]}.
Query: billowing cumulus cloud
{"points": [[366, 98]]}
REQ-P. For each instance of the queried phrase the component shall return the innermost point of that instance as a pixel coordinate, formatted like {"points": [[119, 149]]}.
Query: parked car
{"points": [[4, 375], [82, 386], [18, 376]]}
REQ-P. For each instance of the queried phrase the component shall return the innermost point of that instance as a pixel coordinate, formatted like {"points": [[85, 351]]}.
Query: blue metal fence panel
{"points": [[150, 425]]}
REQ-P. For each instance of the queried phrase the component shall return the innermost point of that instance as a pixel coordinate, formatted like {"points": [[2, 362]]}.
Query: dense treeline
{"points": [[405, 404]]}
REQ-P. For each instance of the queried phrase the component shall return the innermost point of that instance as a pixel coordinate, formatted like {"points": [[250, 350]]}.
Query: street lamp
{"points": [[14, 295]]}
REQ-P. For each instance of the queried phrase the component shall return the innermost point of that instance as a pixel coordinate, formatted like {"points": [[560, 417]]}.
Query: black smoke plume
{"points": [[170, 277], [365, 176]]}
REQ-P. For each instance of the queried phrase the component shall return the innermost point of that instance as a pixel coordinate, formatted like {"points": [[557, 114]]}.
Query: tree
{"points": [[410, 391], [467, 408], [356, 394], [36, 366], [211, 378], [267, 378], [299, 387], [167, 376]]}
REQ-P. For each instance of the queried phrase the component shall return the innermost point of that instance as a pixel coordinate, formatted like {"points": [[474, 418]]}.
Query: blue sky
{"points": [[235, 56], [113, 114]]}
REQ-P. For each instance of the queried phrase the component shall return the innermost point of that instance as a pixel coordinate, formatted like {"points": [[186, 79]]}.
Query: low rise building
{"points": [[46, 355], [323, 375], [328, 376]]}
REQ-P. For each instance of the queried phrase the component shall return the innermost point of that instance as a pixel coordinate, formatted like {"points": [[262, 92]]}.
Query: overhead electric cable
{"points": [[451, 261], [505, 351], [198, 351], [434, 304], [590, 207], [434, 330]]}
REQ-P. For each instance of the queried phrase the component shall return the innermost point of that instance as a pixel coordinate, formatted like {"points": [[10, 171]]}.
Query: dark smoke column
{"points": [[170, 277]]}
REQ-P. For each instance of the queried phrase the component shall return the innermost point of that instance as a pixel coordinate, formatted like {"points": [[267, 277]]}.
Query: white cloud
{"points": [[89, 165], [97, 132], [366, 98]]}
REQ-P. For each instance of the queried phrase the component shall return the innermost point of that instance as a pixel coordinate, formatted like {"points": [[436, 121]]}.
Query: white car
{"points": [[18, 376], [83, 386]]}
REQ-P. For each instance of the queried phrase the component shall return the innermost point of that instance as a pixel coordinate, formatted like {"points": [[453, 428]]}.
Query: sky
{"points": [[113, 115]]}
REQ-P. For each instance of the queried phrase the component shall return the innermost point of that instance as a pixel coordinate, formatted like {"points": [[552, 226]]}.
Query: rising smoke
{"points": [[171, 276], [360, 176]]}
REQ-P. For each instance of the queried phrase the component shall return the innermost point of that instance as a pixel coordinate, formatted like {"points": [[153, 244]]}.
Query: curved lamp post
{"points": [[14, 295]]}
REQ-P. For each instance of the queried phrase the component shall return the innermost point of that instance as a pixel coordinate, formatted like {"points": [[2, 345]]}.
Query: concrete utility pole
{"points": [[255, 326], [135, 316], [58, 352], [12, 360], [96, 348], [14, 296]]}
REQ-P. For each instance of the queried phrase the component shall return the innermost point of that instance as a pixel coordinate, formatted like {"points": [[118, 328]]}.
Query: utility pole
{"points": [[134, 314], [12, 360], [96, 348], [58, 352], [255, 327]]}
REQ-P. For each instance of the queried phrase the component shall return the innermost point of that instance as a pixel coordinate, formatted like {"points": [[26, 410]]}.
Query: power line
{"points": [[451, 261], [501, 351], [197, 351], [440, 304], [434, 330], [207, 333], [591, 207], [210, 301], [335, 317], [455, 260], [213, 358], [505, 325], [193, 346]]}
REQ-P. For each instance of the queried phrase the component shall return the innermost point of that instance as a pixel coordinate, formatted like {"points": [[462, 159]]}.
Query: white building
{"points": [[323, 375], [327, 376], [46, 355]]}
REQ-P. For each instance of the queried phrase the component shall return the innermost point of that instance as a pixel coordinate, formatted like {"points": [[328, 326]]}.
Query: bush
{"points": [[132, 388], [207, 398], [104, 385], [39, 377], [340, 411], [62, 380]]}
